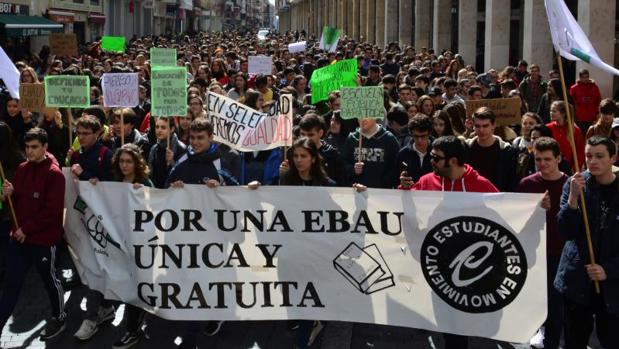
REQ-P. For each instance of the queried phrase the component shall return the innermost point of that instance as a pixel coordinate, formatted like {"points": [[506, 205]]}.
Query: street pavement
{"points": [[22, 331]]}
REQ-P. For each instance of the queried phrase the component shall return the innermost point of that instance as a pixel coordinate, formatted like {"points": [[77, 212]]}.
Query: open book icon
{"points": [[365, 268]]}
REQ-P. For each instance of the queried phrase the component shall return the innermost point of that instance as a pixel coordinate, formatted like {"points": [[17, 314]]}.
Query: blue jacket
{"points": [[95, 161], [194, 168], [572, 280]]}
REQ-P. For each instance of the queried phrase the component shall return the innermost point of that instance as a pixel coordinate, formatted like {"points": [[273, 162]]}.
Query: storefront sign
{"points": [[14, 9]]}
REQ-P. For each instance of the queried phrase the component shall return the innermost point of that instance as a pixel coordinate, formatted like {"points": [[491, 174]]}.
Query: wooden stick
{"points": [[70, 126], [570, 128], [122, 126], [360, 158], [9, 200]]}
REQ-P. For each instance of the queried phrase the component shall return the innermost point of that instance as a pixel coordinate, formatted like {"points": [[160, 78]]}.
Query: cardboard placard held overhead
{"points": [[162, 57], [32, 96], [168, 92], [333, 77], [362, 102], [120, 89], [260, 65], [506, 110], [67, 91], [61, 44], [297, 47]]}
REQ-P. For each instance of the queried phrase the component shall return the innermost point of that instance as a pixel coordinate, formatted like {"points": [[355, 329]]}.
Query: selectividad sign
{"points": [[464, 263]]}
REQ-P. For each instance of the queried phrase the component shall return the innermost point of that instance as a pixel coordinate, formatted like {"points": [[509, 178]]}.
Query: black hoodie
{"points": [[334, 166], [378, 155], [195, 168]]}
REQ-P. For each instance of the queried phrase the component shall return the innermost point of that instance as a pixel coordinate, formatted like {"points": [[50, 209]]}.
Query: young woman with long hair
{"points": [[559, 128], [57, 133]]}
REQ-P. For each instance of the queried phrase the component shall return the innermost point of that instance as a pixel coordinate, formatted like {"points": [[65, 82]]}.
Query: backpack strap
{"points": [[102, 152]]}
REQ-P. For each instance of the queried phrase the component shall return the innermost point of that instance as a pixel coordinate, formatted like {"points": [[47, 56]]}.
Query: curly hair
{"points": [[141, 170]]}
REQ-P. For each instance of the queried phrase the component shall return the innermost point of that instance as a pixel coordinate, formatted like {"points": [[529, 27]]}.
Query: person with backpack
{"points": [[92, 163]]}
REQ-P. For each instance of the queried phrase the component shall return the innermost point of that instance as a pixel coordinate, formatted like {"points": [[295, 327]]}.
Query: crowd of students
{"points": [[425, 142]]}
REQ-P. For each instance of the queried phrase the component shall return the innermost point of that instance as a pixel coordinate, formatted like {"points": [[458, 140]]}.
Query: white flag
{"points": [[569, 39], [9, 74]]}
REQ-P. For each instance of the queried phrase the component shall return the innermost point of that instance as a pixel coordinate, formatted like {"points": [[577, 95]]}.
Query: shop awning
{"points": [[28, 25], [96, 18]]}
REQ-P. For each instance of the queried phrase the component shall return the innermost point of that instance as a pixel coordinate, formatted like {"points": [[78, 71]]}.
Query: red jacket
{"points": [[561, 135], [38, 198], [587, 100], [470, 182]]}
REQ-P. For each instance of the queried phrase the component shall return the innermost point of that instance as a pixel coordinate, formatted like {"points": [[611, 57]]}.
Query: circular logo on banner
{"points": [[473, 264]]}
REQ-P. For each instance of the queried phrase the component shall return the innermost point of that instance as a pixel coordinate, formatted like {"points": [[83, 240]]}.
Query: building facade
{"points": [[488, 33]]}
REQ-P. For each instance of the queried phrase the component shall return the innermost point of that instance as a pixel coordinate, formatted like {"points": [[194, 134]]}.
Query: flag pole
{"points": [[122, 126], [9, 200], [570, 132]]}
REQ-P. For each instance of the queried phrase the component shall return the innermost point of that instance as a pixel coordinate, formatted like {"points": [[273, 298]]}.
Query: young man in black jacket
{"points": [[161, 157], [128, 129], [414, 159], [576, 273], [492, 157], [201, 164]]}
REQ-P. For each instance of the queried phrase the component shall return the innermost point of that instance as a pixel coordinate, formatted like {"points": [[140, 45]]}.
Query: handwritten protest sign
{"points": [[113, 44], [333, 77], [67, 91], [362, 102], [506, 110], [162, 57], [169, 91], [329, 39], [32, 96], [246, 129], [297, 47], [120, 90], [62, 44], [260, 65]]}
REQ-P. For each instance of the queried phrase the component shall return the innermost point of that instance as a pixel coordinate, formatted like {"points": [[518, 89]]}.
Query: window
{"points": [[95, 2]]}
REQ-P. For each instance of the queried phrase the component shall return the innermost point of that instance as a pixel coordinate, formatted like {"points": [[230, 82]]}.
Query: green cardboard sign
{"points": [[67, 91], [168, 93], [333, 77], [162, 57], [113, 44], [362, 102]]}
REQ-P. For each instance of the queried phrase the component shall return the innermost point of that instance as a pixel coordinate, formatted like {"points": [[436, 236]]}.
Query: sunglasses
{"points": [[436, 158]]}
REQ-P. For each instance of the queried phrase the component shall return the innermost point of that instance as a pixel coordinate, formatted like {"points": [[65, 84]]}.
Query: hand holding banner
{"points": [[120, 89]]}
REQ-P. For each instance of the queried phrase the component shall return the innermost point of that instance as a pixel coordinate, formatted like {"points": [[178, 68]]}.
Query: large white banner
{"points": [[465, 263], [246, 129]]}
